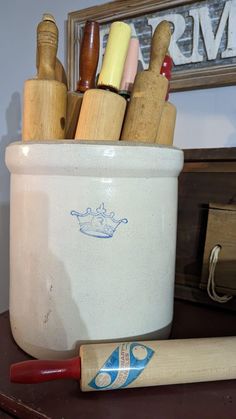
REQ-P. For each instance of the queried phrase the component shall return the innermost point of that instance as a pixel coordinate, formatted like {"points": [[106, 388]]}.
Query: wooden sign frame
{"points": [[185, 79]]}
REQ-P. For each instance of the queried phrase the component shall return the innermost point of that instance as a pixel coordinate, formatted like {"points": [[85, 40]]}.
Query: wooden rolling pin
{"points": [[102, 111], [44, 101], [88, 61], [60, 74], [149, 91], [111, 366], [165, 133]]}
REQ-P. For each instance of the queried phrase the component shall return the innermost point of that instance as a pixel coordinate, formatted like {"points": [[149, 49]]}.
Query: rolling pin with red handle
{"points": [[165, 133], [149, 91], [111, 366], [88, 61]]}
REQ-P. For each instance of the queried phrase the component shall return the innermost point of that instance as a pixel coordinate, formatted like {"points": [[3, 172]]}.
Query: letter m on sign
{"points": [[211, 40]]}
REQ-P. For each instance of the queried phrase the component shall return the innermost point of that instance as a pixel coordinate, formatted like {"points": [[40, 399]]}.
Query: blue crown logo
{"points": [[98, 223]]}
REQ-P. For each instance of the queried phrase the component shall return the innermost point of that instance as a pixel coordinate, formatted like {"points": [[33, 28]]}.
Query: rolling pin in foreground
{"points": [[111, 366], [44, 101], [88, 61], [149, 91], [165, 133], [102, 111]]}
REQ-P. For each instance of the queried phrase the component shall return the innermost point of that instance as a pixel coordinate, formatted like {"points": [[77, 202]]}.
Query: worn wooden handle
{"points": [[159, 46], [47, 44], [89, 54]]}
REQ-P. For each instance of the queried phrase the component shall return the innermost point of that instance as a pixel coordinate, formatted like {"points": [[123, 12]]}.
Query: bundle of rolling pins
{"points": [[122, 104]]}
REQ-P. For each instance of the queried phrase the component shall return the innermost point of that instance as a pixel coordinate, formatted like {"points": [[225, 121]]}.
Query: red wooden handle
{"points": [[89, 54], [166, 70], [39, 371]]}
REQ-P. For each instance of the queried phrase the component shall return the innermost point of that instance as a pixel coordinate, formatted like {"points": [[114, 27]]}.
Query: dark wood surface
{"points": [[63, 399], [209, 176]]}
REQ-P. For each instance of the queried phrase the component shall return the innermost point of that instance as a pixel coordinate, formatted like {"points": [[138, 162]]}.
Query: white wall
{"points": [[206, 118]]}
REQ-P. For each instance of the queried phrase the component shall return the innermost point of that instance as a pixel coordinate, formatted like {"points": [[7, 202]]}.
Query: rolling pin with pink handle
{"points": [[44, 102], [130, 68], [149, 91], [111, 366]]}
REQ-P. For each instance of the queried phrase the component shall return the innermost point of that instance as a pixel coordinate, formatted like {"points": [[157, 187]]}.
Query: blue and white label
{"points": [[122, 367]]}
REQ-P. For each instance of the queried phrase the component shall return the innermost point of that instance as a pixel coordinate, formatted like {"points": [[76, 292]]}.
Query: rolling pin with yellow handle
{"points": [[165, 133], [102, 111], [111, 366], [44, 102], [149, 92]]}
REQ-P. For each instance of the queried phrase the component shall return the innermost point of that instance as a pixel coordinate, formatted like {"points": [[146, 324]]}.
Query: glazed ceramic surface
{"points": [[92, 245]]}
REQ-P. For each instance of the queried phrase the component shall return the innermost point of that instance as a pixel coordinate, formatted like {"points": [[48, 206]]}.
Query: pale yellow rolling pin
{"points": [[111, 366], [44, 101], [102, 111]]}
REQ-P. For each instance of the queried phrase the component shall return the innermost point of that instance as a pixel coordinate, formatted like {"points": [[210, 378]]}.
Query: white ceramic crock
{"points": [[92, 245]]}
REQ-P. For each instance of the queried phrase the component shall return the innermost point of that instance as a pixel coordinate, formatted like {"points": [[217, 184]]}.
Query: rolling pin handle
{"points": [[159, 46], [38, 371]]}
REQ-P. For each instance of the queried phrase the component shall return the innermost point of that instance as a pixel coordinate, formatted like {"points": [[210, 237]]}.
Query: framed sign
{"points": [[203, 42]]}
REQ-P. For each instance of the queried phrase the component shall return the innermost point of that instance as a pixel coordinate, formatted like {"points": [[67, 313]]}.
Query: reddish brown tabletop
{"points": [[63, 399]]}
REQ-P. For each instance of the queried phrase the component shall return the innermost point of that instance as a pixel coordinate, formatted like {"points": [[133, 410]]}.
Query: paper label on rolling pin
{"points": [[122, 367]]}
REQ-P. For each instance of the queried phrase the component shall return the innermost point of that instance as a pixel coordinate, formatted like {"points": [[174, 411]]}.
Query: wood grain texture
{"points": [[144, 112], [210, 155], [19, 409], [89, 53], [74, 102], [44, 99], [145, 108], [173, 362], [101, 116], [44, 115], [47, 44], [60, 73], [197, 188], [159, 46], [165, 133], [221, 230]]}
